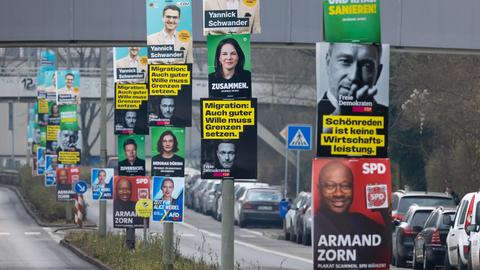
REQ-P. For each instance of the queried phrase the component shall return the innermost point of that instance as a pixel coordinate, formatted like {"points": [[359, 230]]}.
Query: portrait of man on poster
{"points": [[132, 60], [169, 35], [165, 111], [335, 185], [132, 164]]}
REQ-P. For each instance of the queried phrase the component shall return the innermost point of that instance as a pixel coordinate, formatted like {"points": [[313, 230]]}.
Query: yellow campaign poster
{"points": [[229, 138], [170, 100], [352, 107], [131, 101]]}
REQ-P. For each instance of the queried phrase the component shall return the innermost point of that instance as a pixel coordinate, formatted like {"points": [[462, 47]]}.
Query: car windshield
{"points": [[405, 202], [263, 195], [419, 218]]}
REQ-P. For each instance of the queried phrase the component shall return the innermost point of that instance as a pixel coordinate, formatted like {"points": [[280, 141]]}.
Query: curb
{"points": [[80, 253], [34, 216]]}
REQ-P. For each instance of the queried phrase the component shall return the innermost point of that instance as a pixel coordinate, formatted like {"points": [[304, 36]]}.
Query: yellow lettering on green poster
{"points": [[52, 132], [130, 96], [167, 80], [42, 106], [349, 9], [70, 158], [353, 135], [226, 119]]}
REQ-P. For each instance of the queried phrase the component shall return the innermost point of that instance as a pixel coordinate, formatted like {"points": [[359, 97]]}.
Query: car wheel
{"points": [[306, 239], [242, 222], [460, 265], [299, 236], [446, 263], [287, 234], [415, 263], [400, 261], [427, 264], [292, 234]]}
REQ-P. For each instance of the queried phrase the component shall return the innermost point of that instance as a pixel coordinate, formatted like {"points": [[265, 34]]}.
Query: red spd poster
{"points": [[351, 213], [66, 177], [127, 191]]}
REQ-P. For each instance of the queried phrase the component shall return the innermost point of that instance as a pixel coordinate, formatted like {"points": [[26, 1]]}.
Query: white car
{"points": [[458, 243], [474, 231]]}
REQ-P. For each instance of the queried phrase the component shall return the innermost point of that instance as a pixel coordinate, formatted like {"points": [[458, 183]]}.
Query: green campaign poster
{"points": [[352, 21], [68, 117], [177, 133], [131, 155]]}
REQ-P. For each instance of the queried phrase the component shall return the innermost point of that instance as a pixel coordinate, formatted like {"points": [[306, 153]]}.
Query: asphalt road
{"points": [[25, 245], [200, 238]]}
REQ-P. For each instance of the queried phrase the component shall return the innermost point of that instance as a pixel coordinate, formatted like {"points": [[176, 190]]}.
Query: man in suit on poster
{"points": [[170, 36]]}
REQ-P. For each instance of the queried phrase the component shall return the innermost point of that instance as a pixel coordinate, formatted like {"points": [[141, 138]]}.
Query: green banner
{"points": [[352, 21], [68, 117]]}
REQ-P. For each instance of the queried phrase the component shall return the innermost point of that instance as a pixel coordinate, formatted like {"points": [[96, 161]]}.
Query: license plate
{"points": [[262, 207]]}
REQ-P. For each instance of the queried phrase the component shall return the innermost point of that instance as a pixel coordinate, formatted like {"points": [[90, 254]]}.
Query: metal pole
{"points": [[68, 205], [298, 171], [145, 221], [286, 173], [168, 246], [130, 238], [102, 226], [227, 261]]}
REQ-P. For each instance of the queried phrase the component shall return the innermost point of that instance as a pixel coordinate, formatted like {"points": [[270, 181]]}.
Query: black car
{"points": [[430, 243], [406, 231]]}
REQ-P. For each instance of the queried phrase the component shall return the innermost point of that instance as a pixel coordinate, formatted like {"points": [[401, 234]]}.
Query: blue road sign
{"points": [[299, 137], [81, 187]]}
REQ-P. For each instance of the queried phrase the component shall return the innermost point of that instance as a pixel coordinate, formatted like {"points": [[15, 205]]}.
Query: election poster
{"points": [[169, 32], [130, 64], [40, 85], [170, 100], [34, 159], [40, 160], [131, 101], [53, 113], [229, 138], [68, 86], [127, 191], [168, 151], [66, 178], [69, 147], [229, 66], [168, 194], [68, 117], [52, 139], [102, 183], [43, 136], [351, 217], [226, 17], [131, 155], [42, 113], [50, 85], [352, 108], [51, 165], [352, 21]]}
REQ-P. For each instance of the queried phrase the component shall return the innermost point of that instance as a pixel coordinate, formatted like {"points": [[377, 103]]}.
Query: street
{"points": [[25, 245]]}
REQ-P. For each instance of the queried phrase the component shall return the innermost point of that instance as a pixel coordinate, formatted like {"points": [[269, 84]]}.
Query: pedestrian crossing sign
{"points": [[299, 137]]}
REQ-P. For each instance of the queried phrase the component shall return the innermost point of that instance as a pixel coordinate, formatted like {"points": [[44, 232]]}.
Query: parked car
{"points": [[112, 162], [474, 231], [190, 190], [198, 193], [258, 204], [217, 199], [458, 244], [406, 231], [307, 225], [430, 244], [297, 208], [402, 200], [237, 187], [208, 197]]}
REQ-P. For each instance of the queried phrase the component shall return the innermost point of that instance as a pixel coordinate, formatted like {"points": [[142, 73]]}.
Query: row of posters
{"points": [[229, 115], [60, 86], [351, 181], [167, 194]]}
